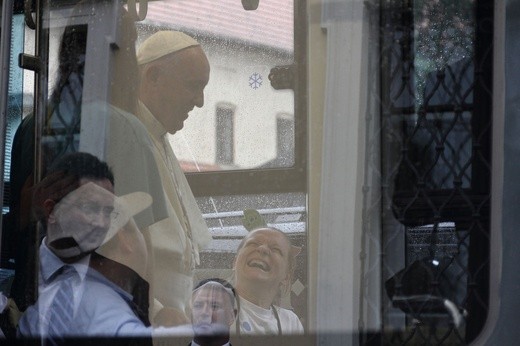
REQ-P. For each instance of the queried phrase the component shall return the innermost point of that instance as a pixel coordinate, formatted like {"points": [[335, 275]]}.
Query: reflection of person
{"points": [[75, 299], [263, 270], [128, 148], [213, 312], [174, 71]]}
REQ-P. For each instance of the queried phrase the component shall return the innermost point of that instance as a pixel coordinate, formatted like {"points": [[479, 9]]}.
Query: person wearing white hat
{"points": [[174, 71], [76, 298]]}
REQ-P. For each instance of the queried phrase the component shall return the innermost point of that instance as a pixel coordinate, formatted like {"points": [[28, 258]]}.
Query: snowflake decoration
{"points": [[255, 81]]}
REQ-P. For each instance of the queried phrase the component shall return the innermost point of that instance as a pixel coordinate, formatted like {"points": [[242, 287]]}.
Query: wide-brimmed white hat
{"points": [[70, 217]]}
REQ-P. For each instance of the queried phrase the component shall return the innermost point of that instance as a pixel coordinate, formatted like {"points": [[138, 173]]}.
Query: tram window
{"points": [[226, 129], [247, 143], [393, 210], [250, 61], [18, 104]]}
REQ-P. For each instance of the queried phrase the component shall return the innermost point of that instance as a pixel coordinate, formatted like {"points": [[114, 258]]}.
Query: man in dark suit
{"points": [[213, 312]]}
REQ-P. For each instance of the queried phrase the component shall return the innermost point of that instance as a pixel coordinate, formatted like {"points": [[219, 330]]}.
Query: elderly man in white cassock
{"points": [[173, 71]]}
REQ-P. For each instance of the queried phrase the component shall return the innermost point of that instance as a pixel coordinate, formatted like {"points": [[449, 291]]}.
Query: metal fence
{"points": [[429, 149]]}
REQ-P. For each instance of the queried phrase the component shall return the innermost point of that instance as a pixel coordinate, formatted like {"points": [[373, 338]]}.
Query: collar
{"points": [[50, 263], [153, 125], [263, 312]]}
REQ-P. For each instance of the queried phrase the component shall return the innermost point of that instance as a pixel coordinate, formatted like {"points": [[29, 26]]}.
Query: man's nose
{"points": [[199, 99], [264, 249], [206, 311], [99, 219]]}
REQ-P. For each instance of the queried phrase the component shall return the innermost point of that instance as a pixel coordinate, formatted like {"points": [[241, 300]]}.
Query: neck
{"points": [[257, 294]]}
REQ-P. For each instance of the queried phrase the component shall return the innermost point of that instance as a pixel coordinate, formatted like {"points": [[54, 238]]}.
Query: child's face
{"points": [[264, 257]]}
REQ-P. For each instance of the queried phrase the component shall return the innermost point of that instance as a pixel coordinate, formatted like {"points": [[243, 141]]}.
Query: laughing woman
{"points": [[263, 270]]}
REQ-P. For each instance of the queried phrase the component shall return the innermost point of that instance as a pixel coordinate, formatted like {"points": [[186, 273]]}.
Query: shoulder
{"points": [[289, 320], [122, 121], [103, 298], [105, 311], [97, 285]]}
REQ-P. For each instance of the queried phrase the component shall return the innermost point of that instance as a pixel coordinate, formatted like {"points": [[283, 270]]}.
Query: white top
{"points": [[254, 319], [173, 226], [178, 239]]}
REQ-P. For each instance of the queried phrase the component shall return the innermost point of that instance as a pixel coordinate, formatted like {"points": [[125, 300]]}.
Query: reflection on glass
{"points": [[62, 126], [242, 47], [435, 173], [228, 225]]}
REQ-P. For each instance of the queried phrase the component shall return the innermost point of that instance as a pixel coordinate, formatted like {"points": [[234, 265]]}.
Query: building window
{"points": [[285, 139], [225, 134], [284, 142]]}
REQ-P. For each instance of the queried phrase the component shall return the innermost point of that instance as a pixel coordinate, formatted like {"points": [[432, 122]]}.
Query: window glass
{"points": [[16, 105], [225, 126], [435, 171], [314, 171], [242, 47], [113, 215]]}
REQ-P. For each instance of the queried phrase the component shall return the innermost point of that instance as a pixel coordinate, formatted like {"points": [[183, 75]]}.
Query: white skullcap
{"points": [[163, 43]]}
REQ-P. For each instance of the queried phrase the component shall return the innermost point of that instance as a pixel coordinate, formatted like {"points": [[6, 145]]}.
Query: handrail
{"points": [[143, 9], [29, 21], [219, 215]]}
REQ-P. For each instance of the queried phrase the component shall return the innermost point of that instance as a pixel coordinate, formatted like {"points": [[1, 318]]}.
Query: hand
{"points": [[14, 313]]}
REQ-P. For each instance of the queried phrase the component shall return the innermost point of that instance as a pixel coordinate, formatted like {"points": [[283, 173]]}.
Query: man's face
{"points": [[80, 221], [212, 310], [263, 258], [180, 87]]}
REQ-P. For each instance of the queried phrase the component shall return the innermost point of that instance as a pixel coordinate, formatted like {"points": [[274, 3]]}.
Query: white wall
{"points": [[255, 113]]}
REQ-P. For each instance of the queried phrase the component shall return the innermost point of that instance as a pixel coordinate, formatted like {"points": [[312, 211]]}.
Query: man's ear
{"points": [[151, 74], [48, 207]]}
